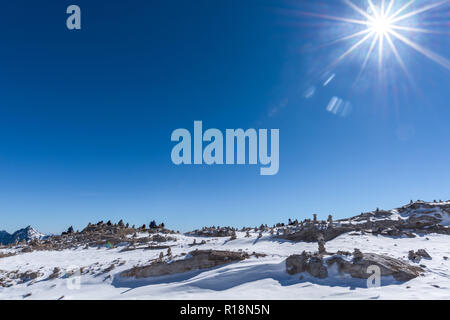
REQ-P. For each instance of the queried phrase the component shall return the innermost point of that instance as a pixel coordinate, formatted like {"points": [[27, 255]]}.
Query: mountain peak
{"points": [[27, 234]]}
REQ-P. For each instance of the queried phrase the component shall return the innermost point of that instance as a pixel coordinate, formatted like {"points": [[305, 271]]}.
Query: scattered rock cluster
{"points": [[101, 234], [9, 278], [416, 217], [7, 254], [213, 232]]}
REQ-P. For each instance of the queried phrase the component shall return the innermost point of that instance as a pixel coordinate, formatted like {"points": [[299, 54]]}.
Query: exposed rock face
{"points": [[312, 264], [200, 259], [29, 275], [160, 238], [418, 255], [311, 233], [55, 274], [9, 277], [423, 253], [213, 232], [321, 243], [356, 267], [8, 254]]}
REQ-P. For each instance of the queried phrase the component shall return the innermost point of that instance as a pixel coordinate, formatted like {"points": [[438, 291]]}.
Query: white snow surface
{"points": [[254, 278]]}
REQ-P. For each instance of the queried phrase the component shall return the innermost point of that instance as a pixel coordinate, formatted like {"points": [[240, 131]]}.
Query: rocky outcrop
{"points": [[418, 255], [213, 232], [159, 238], [55, 274], [198, 259], [10, 278], [7, 254], [313, 264], [96, 235], [407, 221], [357, 266], [312, 233]]}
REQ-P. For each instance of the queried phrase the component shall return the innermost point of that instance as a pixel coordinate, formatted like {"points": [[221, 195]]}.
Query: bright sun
{"points": [[381, 25]]}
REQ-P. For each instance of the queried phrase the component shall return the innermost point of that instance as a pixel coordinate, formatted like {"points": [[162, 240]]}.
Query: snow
{"points": [[444, 216], [27, 234], [254, 278]]}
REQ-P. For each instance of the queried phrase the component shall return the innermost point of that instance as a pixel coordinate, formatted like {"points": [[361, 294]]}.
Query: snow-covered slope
{"points": [[94, 272], [255, 278]]}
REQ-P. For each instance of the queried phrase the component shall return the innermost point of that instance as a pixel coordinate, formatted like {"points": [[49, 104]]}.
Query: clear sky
{"points": [[86, 116]]}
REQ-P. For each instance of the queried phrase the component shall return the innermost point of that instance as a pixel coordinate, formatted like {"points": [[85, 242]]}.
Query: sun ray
{"points": [[374, 10], [415, 12], [358, 9], [366, 59], [388, 10], [380, 53], [424, 51], [381, 21], [412, 29], [348, 37], [351, 36], [328, 17], [352, 48], [403, 8], [397, 56]]}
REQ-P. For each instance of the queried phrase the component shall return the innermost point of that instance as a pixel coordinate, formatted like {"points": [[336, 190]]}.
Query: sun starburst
{"points": [[382, 26]]}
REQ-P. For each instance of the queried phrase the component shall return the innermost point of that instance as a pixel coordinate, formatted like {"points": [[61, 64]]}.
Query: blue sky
{"points": [[86, 116]]}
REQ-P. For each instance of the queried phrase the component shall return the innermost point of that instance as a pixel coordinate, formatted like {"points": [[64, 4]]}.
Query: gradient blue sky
{"points": [[86, 116]]}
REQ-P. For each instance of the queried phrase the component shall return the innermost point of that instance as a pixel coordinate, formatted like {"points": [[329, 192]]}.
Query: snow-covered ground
{"points": [[254, 278]]}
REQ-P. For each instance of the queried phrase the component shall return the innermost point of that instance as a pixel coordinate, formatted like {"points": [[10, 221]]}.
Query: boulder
{"points": [[212, 232], [55, 274], [418, 255], [423, 253], [198, 259], [312, 234], [306, 262], [356, 267]]}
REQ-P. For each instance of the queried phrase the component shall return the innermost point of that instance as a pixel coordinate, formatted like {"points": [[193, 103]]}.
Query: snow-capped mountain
{"points": [[27, 234]]}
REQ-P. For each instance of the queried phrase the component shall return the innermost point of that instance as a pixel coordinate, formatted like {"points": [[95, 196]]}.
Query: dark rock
{"points": [[416, 256], [200, 259], [423, 253], [306, 262], [321, 243], [357, 267], [213, 232], [296, 263], [311, 233], [55, 274]]}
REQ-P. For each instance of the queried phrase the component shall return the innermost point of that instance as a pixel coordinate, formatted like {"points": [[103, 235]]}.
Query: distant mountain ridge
{"points": [[27, 234]]}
